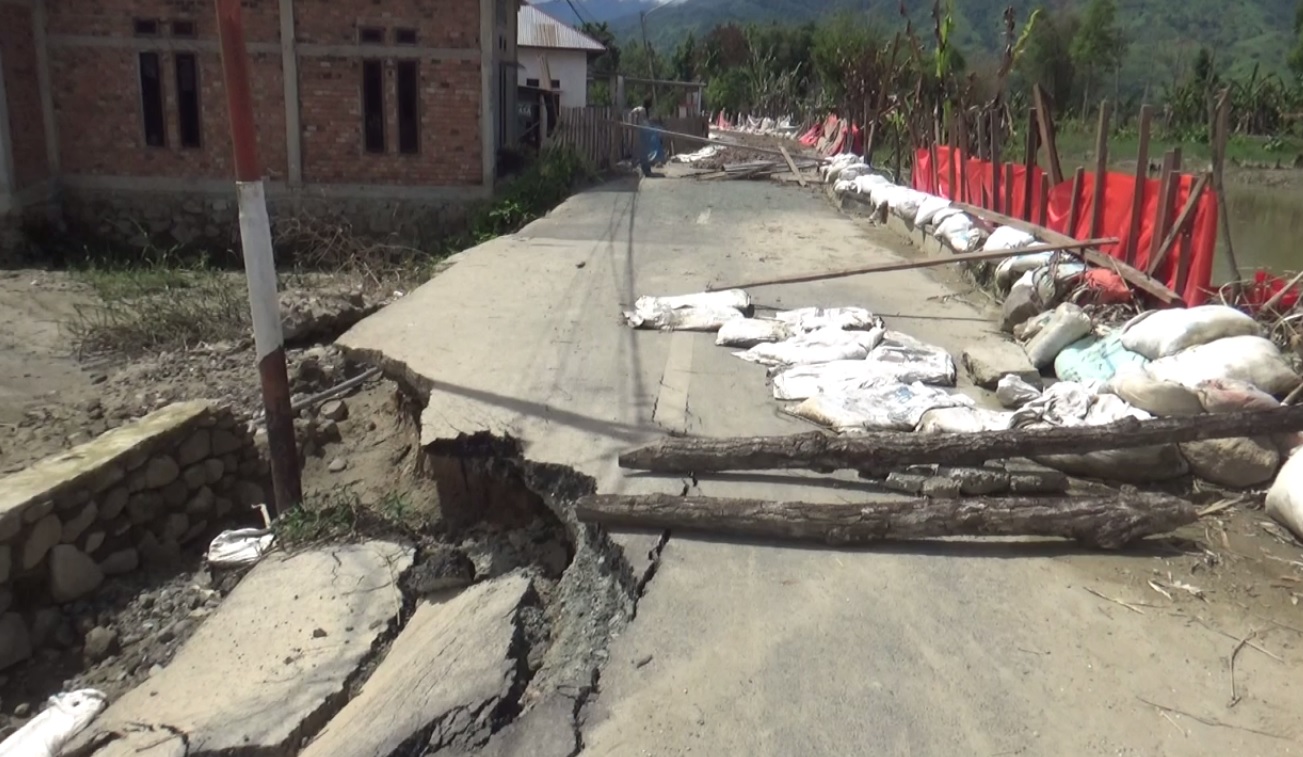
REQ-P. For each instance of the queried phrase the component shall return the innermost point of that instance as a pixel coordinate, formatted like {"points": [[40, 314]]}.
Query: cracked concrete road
{"points": [[943, 648]]}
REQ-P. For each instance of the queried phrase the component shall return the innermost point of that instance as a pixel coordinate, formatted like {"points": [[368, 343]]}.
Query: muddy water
{"points": [[1266, 229]]}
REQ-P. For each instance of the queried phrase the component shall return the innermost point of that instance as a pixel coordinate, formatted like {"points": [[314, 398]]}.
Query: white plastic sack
{"points": [[1013, 392], [1160, 333], [704, 311], [1011, 269], [1246, 358], [801, 382], [911, 357], [1161, 398], [242, 546], [961, 233], [1068, 324], [1008, 238], [879, 406], [905, 204], [928, 208], [843, 185], [709, 151], [1231, 396], [725, 298], [887, 194], [962, 420], [941, 216], [1285, 497], [816, 318], [823, 346], [748, 332], [854, 171], [866, 183], [64, 716], [1049, 280]]}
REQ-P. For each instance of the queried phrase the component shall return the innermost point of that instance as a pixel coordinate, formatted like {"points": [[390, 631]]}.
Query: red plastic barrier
{"points": [[1119, 192], [1264, 287]]}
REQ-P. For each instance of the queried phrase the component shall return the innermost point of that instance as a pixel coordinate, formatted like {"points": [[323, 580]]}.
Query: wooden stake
{"points": [[930, 262], [1142, 181], [1220, 135], [1182, 220], [1045, 200], [1184, 251], [983, 145], [885, 451], [1107, 522], [1101, 168], [787, 156], [1169, 186], [952, 194], [963, 157], [1136, 278], [996, 195], [1046, 117], [1008, 189], [1029, 160], [1074, 210]]}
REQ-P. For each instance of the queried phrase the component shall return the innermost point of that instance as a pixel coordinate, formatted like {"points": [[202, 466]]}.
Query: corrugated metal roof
{"points": [[534, 28]]}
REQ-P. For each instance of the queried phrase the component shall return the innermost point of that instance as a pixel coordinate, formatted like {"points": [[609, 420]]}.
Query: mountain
{"points": [[1164, 35]]}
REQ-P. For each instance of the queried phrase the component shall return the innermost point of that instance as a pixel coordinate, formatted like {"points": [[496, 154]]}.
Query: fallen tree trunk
{"points": [[1109, 522], [892, 450]]}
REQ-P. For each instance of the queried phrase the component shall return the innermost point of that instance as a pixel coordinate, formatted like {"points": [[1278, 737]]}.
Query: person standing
{"points": [[641, 118]]}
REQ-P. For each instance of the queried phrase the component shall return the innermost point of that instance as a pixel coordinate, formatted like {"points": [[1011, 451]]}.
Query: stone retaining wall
{"points": [[131, 498]]}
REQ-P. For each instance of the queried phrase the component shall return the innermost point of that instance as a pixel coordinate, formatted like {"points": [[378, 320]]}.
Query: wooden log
{"points": [[1046, 120], [1136, 278], [787, 156], [1142, 180], [1182, 221], [893, 450], [929, 262], [1074, 210], [1107, 521], [1101, 168]]}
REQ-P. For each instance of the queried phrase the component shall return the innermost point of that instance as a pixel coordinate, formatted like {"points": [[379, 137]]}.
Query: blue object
{"points": [[1095, 358]]}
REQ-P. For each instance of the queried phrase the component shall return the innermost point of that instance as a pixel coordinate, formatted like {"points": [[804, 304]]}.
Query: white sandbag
{"points": [[1032, 326], [1285, 497], [1135, 465], [682, 319], [1232, 396], [865, 184], [823, 346], [941, 216], [879, 406], [704, 311], [1161, 333], [804, 381], [1161, 398], [1246, 358], [928, 363], [887, 194], [64, 716], [816, 318], [928, 208], [1012, 392], [1068, 324], [961, 233], [748, 332], [1007, 238], [1011, 269], [905, 204], [854, 171], [1238, 463], [843, 185], [1064, 403], [962, 420], [1050, 281]]}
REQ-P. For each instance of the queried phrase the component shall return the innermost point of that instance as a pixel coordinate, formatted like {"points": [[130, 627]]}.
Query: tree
{"points": [[1047, 61], [1295, 60], [1098, 45], [604, 66], [683, 64]]}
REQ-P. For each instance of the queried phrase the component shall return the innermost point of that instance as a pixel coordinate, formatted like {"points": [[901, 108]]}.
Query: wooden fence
{"points": [[596, 134]]}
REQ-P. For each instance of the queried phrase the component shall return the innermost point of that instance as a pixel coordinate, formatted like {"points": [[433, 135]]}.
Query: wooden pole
{"points": [[963, 157], [1046, 118], [1182, 220], [887, 451], [1220, 136], [994, 131], [1142, 181], [787, 156], [1008, 189], [930, 262], [1101, 168], [950, 160], [1169, 185], [1029, 160], [1136, 278], [1183, 252], [1103, 521], [1074, 210], [1045, 200]]}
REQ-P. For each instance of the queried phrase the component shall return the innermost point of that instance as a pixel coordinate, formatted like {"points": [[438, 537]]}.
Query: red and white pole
{"points": [[259, 262]]}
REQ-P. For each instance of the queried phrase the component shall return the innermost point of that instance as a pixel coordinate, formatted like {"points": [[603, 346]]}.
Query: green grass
{"points": [[1076, 142], [342, 515]]}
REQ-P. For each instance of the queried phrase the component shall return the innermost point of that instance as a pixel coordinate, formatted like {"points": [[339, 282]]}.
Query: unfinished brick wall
{"points": [[26, 123]]}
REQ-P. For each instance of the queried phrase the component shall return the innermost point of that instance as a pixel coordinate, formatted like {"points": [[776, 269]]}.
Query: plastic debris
{"points": [[64, 716], [243, 546]]}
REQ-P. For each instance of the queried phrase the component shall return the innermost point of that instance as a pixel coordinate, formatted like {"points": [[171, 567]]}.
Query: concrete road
{"points": [[937, 649]]}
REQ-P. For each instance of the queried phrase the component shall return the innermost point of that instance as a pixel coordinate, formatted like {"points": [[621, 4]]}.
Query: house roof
{"points": [[534, 28]]}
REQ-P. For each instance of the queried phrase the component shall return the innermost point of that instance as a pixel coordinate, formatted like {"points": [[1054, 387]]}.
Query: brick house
{"points": [[113, 113]]}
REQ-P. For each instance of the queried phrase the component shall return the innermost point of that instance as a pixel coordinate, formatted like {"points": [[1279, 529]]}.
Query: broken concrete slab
{"points": [[270, 665], [990, 361], [454, 664], [547, 730], [145, 742]]}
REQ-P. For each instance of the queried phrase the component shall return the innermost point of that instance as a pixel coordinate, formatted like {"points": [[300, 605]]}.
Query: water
{"points": [[1266, 229]]}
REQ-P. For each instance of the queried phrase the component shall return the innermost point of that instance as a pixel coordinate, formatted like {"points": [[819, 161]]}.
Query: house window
{"points": [[371, 35], [405, 36], [531, 82], [409, 112], [151, 99], [187, 99], [183, 29], [373, 105], [145, 27], [556, 84]]}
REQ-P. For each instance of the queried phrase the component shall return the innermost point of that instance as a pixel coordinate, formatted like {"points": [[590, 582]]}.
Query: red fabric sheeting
{"points": [[1119, 192]]}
